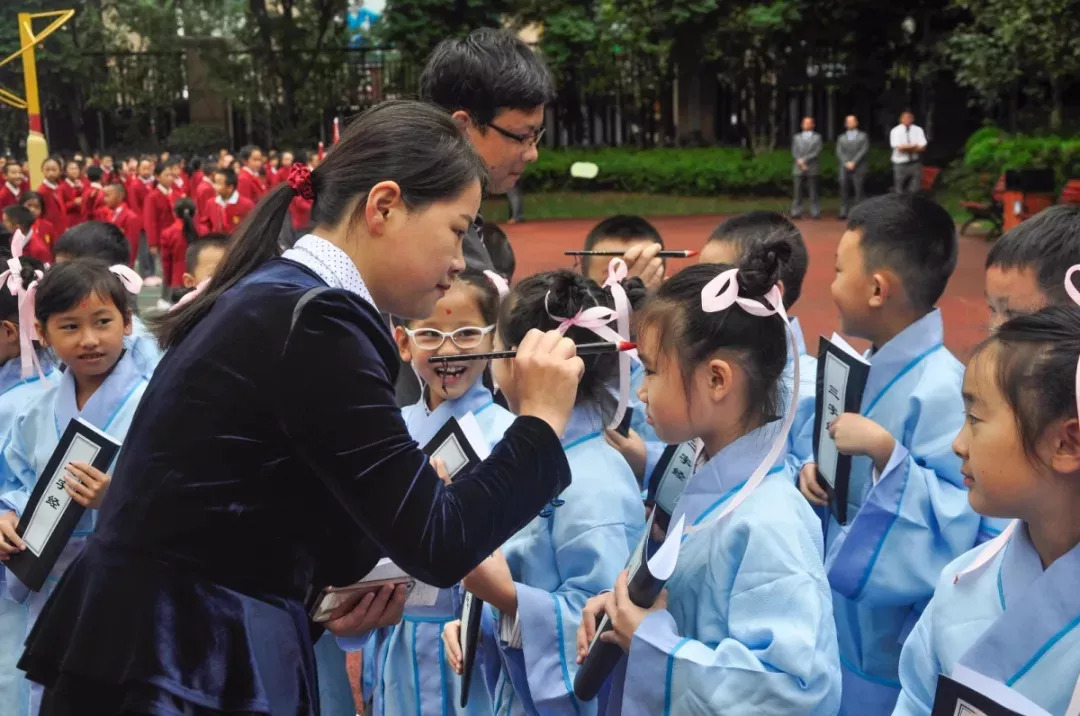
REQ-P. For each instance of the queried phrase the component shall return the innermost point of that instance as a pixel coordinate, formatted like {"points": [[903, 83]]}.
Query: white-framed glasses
{"points": [[431, 339]]}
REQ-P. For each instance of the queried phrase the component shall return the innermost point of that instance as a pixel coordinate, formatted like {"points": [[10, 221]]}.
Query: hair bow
{"points": [[132, 281], [617, 272], [596, 319], [500, 284], [190, 295], [24, 296], [718, 295]]}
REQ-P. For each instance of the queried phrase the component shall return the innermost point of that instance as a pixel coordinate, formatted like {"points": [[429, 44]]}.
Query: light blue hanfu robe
{"points": [[15, 394], [748, 628], [30, 443], [904, 528], [413, 675], [1010, 620], [572, 551], [143, 345], [800, 446], [654, 446]]}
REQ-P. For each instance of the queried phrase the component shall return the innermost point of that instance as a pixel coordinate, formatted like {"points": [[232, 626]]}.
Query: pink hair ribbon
{"points": [[132, 281], [596, 319], [721, 294], [617, 272], [190, 295], [25, 300], [500, 284]]}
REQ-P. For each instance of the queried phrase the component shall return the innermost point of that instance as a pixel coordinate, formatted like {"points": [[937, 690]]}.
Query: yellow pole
{"points": [[36, 148]]}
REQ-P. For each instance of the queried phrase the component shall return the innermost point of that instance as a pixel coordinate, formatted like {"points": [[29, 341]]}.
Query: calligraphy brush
{"points": [[582, 349]]}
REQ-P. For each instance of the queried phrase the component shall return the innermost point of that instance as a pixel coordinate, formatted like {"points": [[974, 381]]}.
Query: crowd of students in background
{"points": [[162, 203]]}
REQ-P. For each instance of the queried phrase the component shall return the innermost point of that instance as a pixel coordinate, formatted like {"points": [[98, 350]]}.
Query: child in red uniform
{"points": [[52, 197], [203, 192], [71, 191], [229, 208], [158, 206], [19, 218], [93, 198], [175, 241], [118, 213], [42, 227], [12, 188], [140, 185], [300, 208], [249, 181], [196, 175]]}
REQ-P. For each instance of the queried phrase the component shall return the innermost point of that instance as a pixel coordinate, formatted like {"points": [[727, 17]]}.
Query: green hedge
{"points": [[706, 171], [992, 151]]}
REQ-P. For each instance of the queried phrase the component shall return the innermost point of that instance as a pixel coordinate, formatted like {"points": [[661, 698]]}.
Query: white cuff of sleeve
{"points": [[510, 630]]}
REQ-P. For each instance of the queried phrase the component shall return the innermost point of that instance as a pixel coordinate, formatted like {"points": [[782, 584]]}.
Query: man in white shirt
{"points": [[908, 142]]}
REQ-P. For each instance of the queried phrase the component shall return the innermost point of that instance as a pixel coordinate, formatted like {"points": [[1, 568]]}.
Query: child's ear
{"points": [[127, 322], [40, 330], [403, 345], [720, 377], [1065, 447], [189, 280], [9, 331], [881, 283]]}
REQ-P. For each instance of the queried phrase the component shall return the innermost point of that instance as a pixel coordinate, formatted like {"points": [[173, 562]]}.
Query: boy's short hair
{"points": [[229, 174], [28, 196], [9, 165], [499, 249], [621, 227], [19, 215], [94, 172], [911, 235], [118, 186], [757, 227], [1048, 243], [191, 256], [246, 151], [487, 71], [95, 240]]}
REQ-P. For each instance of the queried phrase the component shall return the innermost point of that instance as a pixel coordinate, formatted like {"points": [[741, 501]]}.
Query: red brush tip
{"points": [[691, 254], [627, 345]]}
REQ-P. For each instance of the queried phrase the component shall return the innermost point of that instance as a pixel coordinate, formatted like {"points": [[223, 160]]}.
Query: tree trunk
{"points": [[1056, 103]]}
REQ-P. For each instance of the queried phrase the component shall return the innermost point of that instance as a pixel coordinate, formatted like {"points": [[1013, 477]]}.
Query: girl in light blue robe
{"points": [[412, 675], [16, 391], [83, 314], [905, 525], [1010, 610], [577, 546], [746, 625]]}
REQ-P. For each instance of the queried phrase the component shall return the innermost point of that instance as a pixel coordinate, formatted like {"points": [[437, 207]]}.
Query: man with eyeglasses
{"points": [[495, 87]]}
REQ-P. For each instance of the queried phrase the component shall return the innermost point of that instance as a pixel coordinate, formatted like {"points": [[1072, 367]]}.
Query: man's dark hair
{"points": [[487, 71], [911, 235], [759, 227], [1047, 243]]}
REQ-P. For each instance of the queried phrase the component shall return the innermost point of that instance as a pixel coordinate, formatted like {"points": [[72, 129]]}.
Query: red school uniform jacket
{"points": [[173, 254], [127, 219], [225, 216], [44, 230], [37, 248], [9, 196], [204, 196], [70, 191], [250, 185], [93, 202], [157, 213], [137, 189], [300, 208], [53, 207]]}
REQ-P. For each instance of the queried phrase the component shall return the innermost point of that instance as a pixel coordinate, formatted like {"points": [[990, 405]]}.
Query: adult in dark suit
{"points": [[268, 457], [805, 170], [851, 149]]}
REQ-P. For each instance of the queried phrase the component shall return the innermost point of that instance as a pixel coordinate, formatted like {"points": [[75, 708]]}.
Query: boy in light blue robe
{"points": [[30, 443], [1010, 621], [558, 561], [907, 508], [752, 592]]}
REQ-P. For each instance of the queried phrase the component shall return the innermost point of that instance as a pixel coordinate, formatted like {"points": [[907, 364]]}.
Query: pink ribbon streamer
{"points": [[24, 295], [500, 284], [617, 272], [132, 281], [721, 294], [190, 295], [596, 319]]}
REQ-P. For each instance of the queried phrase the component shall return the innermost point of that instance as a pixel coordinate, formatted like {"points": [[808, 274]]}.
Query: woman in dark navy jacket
{"points": [[268, 456]]}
